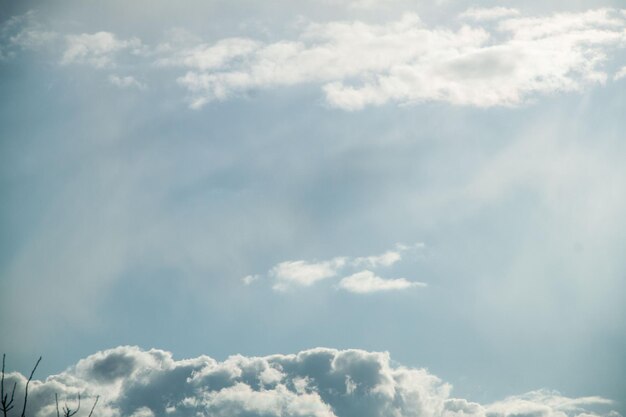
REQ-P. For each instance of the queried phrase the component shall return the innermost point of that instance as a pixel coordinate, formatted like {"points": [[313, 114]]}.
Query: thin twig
{"points": [[6, 405], [26, 389], [94, 406], [56, 399], [68, 412]]}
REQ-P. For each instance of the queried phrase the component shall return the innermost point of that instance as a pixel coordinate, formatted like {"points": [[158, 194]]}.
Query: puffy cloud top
{"points": [[314, 383]]}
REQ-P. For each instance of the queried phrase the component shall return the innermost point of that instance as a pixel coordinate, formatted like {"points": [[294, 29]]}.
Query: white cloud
{"points": [[386, 259], [303, 273], [205, 57], [23, 32], [249, 279], [491, 13], [621, 73], [127, 81], [314, 383], [366, 282], [499, 57], [96, 49], [360, 64]]}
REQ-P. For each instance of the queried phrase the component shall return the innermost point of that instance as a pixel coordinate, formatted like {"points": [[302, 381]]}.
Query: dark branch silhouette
{"points": [[68, 411], [27, 384], [6, 403], [94, 406]]}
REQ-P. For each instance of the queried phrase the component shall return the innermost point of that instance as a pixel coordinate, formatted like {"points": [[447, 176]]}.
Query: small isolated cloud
{"points": [[96, 49], [490, 13], [620, 74], [318, 382], [301, 273], [127, 81], [249, 279], [366, 282]]}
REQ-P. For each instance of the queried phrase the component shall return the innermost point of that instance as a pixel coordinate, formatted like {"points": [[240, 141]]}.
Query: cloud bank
{"points": [[488, 57], [504, 62], [314, 383]]}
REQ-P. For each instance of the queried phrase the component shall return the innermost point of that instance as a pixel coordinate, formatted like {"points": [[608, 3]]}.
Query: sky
{"points": [[315, 208]]}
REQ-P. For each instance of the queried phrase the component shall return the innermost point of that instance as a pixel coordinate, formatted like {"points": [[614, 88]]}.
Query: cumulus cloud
{"points": [[365, 282], [96, 49], [405, 61], [314, 383]]}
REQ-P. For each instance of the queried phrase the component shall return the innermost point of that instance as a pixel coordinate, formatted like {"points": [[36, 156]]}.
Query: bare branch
{"points": [[94, 406], [26, 389], [68, 412], [2, 387], [5, 402], [56, 399]]}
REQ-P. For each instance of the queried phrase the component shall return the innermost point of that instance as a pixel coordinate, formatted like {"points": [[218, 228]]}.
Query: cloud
{"points": [[314, 383], [127, 81], [249, 279], [621, 73], [386, 259], [96, 49], [360, 64], [366, 282], [497, 57], [23, 32], [492, 13], [303, 273]]}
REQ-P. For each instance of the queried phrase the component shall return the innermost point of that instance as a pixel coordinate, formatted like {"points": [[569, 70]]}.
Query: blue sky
{"points": [[443, 181]]}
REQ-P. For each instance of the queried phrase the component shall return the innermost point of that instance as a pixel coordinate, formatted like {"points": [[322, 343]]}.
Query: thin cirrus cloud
{"points": [[318, 382], [300, 273]]}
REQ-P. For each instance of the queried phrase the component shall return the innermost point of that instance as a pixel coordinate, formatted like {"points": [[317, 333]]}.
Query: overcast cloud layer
{"points": [[313, 383]]}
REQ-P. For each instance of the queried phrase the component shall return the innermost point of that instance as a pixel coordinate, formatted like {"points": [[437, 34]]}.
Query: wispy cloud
{"points": [[96, 49], [366, 282], [127, 81], [301, 273], [249, 279], [491, 13], [620, 74]]}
